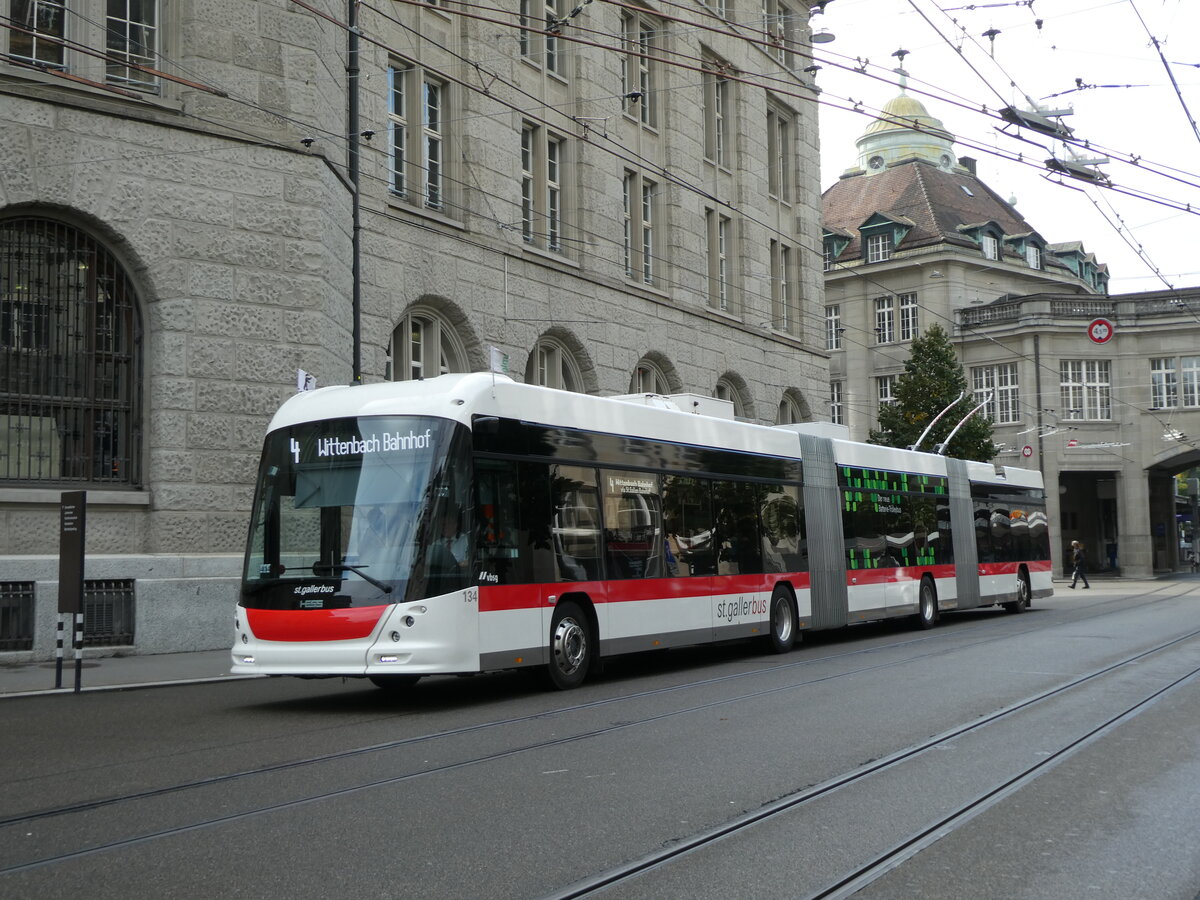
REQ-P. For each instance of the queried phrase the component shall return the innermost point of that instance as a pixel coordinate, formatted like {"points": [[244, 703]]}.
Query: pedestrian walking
{"points": [[1079, 562]]}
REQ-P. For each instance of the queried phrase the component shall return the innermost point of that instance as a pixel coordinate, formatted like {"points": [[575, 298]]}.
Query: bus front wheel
{"points": [[782, 637], [571, 646]]}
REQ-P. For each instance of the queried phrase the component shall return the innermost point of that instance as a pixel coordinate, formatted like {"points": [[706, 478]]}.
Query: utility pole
{"points": [[354, 165]]}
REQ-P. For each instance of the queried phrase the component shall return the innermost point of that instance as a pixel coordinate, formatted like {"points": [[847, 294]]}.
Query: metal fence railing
{"points": [[108, 612], [16, 615]]}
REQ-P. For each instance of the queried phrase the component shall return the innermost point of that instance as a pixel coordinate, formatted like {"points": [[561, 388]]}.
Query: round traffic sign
{"points": [[1100, 331], [1027, 451]]}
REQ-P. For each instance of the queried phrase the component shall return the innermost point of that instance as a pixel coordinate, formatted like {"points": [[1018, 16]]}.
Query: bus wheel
{"points": [[927, 610], [1023, 594], [783, 621], [394, 682], [570, 646]]}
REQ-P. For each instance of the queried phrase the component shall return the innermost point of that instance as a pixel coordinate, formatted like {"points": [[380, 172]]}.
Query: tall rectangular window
{"points": [[780, 152], [991, 247], [886, 389], [1164, 390], [398, 129], [45, 27], [541, 187], [997, 386], [879, 247], [716, 111], [1189, 371], [779, 30], [785, 315], [528, 191], [647, 225], [639, 215], [640, 67], [132, 38], [885, 320], [833, 327], [553, 59], [908, 317], [416, 152], [1033, 256], [74, 37], [432, 139], [837, 410], [1086, 387], [718, 259]]}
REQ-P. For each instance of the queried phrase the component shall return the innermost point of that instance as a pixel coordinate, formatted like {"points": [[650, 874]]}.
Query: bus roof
{"points": [[461, 397]]}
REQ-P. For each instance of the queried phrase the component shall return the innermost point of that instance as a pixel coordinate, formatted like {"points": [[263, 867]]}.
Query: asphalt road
{"points": [[1051, 754]]}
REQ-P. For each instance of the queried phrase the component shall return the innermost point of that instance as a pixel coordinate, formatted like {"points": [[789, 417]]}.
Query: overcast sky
{"points": [[1100, 42]]}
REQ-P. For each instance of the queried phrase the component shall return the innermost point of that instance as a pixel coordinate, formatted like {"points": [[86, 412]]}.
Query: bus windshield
{"points": [[359, 512]]}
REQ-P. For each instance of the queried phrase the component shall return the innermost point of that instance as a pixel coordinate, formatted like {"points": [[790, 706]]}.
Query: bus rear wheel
{"points": [[571, 646], [927, 609], [1023, 595], [784, 624]]}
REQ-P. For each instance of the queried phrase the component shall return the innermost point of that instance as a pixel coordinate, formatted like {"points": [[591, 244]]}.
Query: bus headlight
{"points": [[395, 635], [410, 621]]}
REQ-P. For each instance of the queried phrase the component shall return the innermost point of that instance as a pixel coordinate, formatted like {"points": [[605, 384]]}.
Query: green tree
{"points": [[932, 379]]}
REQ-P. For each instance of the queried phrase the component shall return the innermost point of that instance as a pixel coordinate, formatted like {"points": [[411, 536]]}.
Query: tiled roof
{"points": [[937, 202]]}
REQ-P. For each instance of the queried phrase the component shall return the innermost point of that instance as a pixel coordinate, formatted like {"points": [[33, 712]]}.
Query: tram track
{"points": [[215, 781]]}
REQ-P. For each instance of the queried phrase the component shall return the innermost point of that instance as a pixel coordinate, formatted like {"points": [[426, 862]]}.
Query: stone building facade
{"points": [[598, 199]]}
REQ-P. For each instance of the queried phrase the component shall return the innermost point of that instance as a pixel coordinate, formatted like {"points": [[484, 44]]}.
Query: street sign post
{"points": [[72, 528]]}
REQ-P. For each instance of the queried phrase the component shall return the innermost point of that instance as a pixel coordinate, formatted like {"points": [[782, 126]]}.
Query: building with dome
{"points": [[913, 237]]}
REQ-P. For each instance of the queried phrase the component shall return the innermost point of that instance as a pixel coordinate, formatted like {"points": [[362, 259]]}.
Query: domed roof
{"points": [[909, 109], [904, 130]]}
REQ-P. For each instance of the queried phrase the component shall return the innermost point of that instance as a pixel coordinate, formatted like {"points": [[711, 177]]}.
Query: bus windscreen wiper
{"points": [[357, 570]]}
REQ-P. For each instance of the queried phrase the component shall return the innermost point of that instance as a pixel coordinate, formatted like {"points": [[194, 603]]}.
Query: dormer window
{"points": [[879, 247], [991, 246], [1033, 256]]}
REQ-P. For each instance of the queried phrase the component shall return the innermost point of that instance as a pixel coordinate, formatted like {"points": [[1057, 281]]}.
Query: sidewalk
{"points": [[116, 672]]}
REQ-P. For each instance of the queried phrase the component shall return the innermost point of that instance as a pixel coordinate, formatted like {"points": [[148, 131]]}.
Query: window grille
{"points": [[108, 612], [69, 358], [16, 615]]}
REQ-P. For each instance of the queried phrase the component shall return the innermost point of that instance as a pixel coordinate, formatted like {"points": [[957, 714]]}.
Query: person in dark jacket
{"points": [[1079, 562]]}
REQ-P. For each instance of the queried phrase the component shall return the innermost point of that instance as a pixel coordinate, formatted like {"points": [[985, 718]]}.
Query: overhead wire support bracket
{"points": [[1042, 121]]}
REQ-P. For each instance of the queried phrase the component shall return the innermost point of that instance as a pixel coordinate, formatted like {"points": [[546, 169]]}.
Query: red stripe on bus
{"points": [[497, 598], [313, 624], [900, 575], [1011, 568]]}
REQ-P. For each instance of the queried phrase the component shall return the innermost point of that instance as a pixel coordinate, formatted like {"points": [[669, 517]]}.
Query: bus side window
{"points": [[687, 514], [633, 532], [739, 543], [499, 536], [575, 523], [781, 517]]}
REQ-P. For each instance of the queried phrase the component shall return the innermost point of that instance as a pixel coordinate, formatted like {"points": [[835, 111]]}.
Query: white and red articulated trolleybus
{"points": [[468, 523]]}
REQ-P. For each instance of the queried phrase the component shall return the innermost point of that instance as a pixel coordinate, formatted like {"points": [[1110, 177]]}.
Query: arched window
{"points": [[552, 364], [425, 345], [70, 364], [649, 378], [727, 390], [792, 408]]}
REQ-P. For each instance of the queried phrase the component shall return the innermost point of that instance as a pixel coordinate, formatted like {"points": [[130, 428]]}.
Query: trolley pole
{"points": [[72, 526]]}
